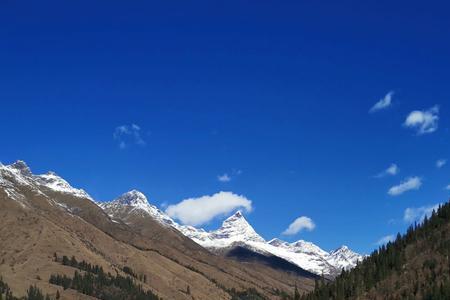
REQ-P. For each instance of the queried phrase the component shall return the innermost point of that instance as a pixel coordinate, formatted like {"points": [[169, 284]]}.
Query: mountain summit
{"points": [[344, 258], [22, 167], [135, 203], [43, 219], [132, 198], [235, 229], [19, 174]]}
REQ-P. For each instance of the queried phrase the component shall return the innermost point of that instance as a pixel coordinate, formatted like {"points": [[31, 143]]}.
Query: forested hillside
{"points": [[414, 266]]}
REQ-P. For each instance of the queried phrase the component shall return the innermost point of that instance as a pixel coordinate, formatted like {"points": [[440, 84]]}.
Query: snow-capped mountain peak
{"points": [[132, 203], [341, 249], [302, 246], [344, 258], [278, 243], [20, 173], [236, 220], [132, 198], [22, 167], [56, 183], [236, 229]]}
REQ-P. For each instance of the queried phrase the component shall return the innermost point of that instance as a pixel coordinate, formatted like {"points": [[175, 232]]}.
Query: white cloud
{"points": [[197, 211], [392, 170], [237, 172], [385, 239], [447, 187], [126, 135], [227, 178], [412, 183], [299, 224], [418, 213], [224, 178], [424, 121], [440, 163], [384, 103]]}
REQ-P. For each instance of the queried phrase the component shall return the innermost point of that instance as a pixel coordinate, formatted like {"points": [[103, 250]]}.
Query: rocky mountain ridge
{"points": [[43, 215], [236, 231]]}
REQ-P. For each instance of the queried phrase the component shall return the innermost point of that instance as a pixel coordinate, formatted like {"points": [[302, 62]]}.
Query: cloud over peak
{"points": [[423, 121], [384, 103], [197, 211], [411, 183], [299, 224]]}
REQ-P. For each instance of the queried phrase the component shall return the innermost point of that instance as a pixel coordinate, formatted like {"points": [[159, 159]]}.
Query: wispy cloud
{"points": [[440, 163], [126, 135], [392, 170], [413, 214], [299, 224], [385, 239], [224, 178], [197, 211], [411, 183], [384, 103], [423, 121], [447, 187]]}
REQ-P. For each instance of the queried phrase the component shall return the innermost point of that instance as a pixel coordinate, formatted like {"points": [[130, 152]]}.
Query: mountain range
{"points": [[43, 216], [236, 231]]}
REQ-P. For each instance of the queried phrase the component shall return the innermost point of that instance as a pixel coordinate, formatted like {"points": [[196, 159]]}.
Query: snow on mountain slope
{"points": [[344, 258], [56, 183], [19, 173], [235, 231], [341, 258], [135, 202]]}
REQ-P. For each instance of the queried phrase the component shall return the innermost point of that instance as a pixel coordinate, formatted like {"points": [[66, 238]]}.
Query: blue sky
{"points": [[275, 96]]}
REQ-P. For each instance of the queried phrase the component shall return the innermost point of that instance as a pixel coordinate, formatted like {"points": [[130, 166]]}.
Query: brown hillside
{"points": [[41, 222]]}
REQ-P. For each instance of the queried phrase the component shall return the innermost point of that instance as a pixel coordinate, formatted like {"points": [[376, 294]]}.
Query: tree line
{"points": [[94, 281], [33, 293]]}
